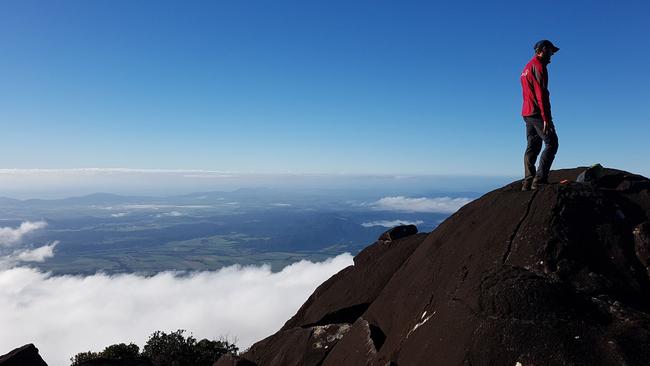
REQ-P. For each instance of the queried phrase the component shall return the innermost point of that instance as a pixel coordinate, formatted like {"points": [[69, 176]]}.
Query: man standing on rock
{"points": [[537, 114]]}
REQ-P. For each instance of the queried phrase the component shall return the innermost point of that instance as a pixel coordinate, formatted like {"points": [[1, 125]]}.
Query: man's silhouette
{"points": [[537, 114]]}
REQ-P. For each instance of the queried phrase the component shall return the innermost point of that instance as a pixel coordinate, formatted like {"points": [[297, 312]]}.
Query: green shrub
{"points": [[169, 349], [164, 349], [207, 352], [174, 349], [114, 352], [121, 351], [82, 357]]}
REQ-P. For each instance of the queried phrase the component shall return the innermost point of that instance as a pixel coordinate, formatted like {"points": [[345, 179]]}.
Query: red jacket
{"points": [[534, 84]]}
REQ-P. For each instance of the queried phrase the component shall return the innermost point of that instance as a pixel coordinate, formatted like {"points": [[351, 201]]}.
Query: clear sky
{"points": [[368, 87]]}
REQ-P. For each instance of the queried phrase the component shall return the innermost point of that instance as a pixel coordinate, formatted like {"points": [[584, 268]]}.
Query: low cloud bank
{"points": [[65, 315], [11, 236], [19, 256], [170, 214], [39, 254], [391, 223], [12, 249], [421, 204]]}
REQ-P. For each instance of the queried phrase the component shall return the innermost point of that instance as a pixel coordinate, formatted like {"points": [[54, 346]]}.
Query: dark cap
{"points": [[545, 43]]}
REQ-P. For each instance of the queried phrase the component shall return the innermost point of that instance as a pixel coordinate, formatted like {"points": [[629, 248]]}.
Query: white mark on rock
{"points": [[421, 322]]}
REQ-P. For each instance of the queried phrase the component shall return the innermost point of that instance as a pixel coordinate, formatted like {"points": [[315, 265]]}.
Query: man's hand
{"points": [[548, 127]]}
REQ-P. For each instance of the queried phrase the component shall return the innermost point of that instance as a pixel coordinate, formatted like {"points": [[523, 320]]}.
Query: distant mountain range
{"points": [[205, 230]]}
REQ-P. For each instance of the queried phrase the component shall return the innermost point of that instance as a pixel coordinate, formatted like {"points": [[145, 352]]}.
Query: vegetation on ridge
{"points": [[164, 349]]}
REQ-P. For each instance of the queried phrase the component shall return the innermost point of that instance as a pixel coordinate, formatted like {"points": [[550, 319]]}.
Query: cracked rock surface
{"points": [[556, 276]]}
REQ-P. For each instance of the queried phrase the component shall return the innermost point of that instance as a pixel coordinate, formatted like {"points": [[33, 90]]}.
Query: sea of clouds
{"points": [[65, 315]]}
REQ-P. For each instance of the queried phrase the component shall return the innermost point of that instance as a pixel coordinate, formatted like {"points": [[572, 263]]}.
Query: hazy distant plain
{"points": [[210, 230]]}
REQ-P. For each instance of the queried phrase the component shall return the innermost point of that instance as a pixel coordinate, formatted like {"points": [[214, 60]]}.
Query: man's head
{"points": [[544, 49]]}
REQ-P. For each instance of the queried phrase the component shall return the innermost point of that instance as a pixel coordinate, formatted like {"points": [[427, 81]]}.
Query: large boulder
{"points": [[26, 355], [398, 232], [555, 276]]}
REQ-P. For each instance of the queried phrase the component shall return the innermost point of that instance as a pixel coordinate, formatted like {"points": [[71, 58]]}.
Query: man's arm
{"points": [[540, 80]]}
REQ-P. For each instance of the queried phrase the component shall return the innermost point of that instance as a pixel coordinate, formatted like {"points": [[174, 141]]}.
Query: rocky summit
{"points": [[26, 355], [554, 276]]}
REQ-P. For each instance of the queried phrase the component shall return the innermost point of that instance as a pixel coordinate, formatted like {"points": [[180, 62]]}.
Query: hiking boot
{"points": [[537, 182], [526, 184]]}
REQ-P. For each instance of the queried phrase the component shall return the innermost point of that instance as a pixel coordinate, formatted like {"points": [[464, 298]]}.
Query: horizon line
{"points": [[211, 173]]}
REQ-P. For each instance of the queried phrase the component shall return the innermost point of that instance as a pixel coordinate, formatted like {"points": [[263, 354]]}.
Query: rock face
{"points": [[398, 232], [642, 244], [556, 276], [26, 355]]}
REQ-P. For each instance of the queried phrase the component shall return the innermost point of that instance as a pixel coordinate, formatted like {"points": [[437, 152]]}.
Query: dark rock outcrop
{"points": [[26, 355], [556, 276], [398, 232]]}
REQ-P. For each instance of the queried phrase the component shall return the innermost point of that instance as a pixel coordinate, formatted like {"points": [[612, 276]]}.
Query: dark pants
{"points": [[535, 135]]}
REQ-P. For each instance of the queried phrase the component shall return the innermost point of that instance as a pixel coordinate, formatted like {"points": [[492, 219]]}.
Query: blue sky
{"points": [[356, 87]]}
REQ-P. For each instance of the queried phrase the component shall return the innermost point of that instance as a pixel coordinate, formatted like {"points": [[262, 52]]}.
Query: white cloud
{"points": [[280, 204], [209, 176], [36, 255], [172, 214], [147, 206], [15, 258], [119, 214], [10, 236], [65, 315], [392, 223], [421, 204]]}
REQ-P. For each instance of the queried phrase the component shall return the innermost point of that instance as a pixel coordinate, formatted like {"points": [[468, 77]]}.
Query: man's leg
{"points": [[532, 150], [551, 145]]}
